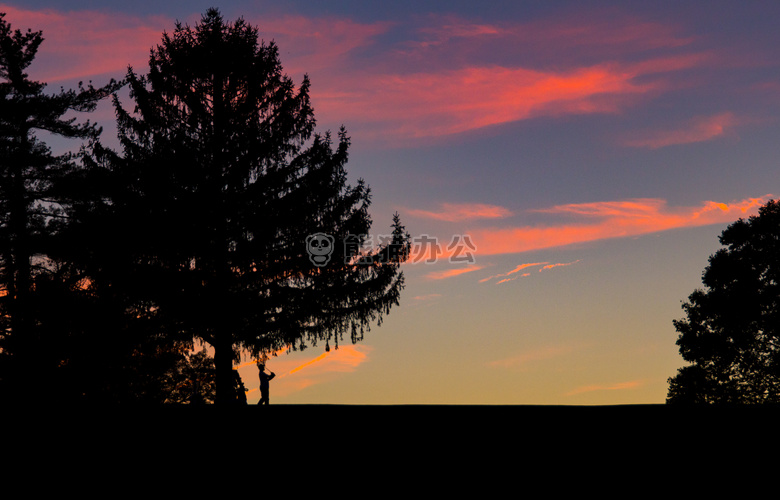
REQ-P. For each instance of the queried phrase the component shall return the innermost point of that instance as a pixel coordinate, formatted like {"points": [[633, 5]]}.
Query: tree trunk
{"points": [[223, 365], [20, 269], [223, 350]]}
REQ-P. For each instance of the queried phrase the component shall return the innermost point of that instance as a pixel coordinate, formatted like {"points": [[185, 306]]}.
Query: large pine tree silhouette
{"points": [[219, 182]]}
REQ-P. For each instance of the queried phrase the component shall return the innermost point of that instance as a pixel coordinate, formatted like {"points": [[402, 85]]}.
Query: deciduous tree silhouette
{"points": [[731, 335], [219, 181], [191, 381], [31, 214]]}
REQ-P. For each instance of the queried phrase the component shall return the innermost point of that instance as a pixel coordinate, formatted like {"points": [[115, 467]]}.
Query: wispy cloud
{"points": [[513, 271], [88, 43], [560, 264], [449, 28], [447, 102], [450, 273], [293, 375], [397, 92], [505, 280], [582, 223], [453, 212], [453, 75], [344, 359], [561, 39], [699, 129], [317, 44], [513, 274], [605, 220]]}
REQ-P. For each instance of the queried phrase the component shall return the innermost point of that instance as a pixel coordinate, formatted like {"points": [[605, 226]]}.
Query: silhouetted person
{"points": [[264, 379]]}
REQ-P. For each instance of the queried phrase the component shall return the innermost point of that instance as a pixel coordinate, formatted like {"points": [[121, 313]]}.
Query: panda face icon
{"points": [[320, 247]]}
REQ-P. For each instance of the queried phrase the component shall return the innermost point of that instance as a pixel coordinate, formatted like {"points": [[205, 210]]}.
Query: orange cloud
{"points": [[449, 273], [617, 219], [519, 268], [324, 367], [292, 375], [309, 363], [551, 266], [452, 212], [591, 222], [524, 275], [344, 359], [697, 130], [429, 249], [513, 271]]}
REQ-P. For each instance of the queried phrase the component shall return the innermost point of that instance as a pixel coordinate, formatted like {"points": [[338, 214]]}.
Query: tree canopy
{"points": [[731, 333], [32, 213], [208, 206], [207, 226]]}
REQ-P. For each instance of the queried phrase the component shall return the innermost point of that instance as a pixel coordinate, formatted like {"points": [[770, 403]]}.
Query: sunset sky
{"points": [[579, 159]]}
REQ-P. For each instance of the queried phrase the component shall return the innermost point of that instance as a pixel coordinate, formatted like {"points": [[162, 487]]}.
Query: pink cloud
{"points": [[402, 92], [460, 75], [573, 36], [446, 30], [622, 33], [318, 45], [448, 102], [605, 220], [696, 130], [83, 44]]}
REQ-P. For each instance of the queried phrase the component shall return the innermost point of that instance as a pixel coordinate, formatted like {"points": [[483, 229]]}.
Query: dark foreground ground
{"points": [[363, 436], [451, 418]]}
